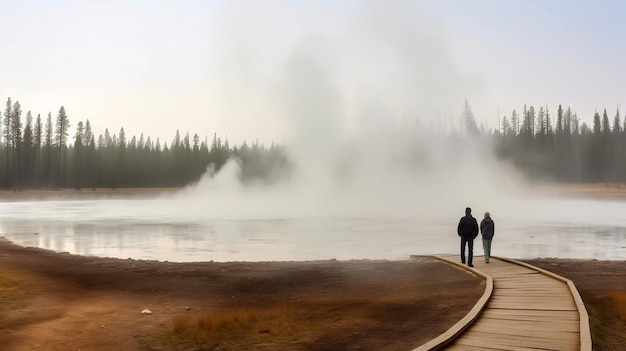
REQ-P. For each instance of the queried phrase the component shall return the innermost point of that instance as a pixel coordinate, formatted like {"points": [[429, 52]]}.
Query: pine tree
{"points": [[617, 145], [549, 129], [541, 125], [122, 166], [596, 154], [515, 122], [6, 123], [606, 147], [61, 133], [617, 128], [606, 126], [91, 172], [468, 118], [48, 151], [27, 149], [37, 140], [78, 159], [559, 121], [16, 141], [506, 128], [575, 124], [567, 122], [528, 123]]}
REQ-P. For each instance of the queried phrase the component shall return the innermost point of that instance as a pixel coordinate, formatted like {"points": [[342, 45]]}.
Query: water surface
{"points": [[153, 229]]}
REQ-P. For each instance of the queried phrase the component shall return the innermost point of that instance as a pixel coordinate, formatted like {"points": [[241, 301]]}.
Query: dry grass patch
{"points": [[240, 327], [619, 300], [11, 294], [606, 320]]}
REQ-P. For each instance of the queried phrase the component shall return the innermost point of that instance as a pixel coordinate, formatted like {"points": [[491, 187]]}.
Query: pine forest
{"points": [[38, 152]]}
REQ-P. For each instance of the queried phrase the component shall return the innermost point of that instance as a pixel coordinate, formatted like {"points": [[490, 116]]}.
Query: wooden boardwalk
{"points": [[528, 309]]}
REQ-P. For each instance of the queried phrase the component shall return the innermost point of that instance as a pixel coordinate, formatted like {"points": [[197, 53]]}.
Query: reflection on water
{"points": [[149, 229]]}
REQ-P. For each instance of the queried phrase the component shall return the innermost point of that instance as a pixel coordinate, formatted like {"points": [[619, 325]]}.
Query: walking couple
{"points": [[468, 231]]}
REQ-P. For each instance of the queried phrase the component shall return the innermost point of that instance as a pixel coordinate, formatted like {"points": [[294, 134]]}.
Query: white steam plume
{"points": [[352, 96]]}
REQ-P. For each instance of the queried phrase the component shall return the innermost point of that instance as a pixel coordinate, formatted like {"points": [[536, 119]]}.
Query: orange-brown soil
{"points": [[56, 301]]}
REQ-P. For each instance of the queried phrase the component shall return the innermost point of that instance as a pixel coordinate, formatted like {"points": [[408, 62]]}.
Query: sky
{"points": [[276, 71]]}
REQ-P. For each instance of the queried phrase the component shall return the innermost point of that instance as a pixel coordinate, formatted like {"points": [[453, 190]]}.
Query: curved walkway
{"points": [[523, 308]]}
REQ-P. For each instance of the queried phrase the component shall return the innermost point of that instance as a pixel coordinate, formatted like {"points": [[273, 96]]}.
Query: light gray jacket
{"points": [[487, 228]]}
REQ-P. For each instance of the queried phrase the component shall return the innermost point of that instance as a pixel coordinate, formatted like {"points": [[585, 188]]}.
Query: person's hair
{"points": [[487, 214], [468, 210]]}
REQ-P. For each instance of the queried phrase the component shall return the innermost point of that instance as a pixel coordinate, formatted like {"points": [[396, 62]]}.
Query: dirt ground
{"points": [[58, 301]]}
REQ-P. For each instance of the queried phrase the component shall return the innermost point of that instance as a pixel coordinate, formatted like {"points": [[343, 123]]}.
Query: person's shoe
{"points": [[487, 261], [470, 265]]}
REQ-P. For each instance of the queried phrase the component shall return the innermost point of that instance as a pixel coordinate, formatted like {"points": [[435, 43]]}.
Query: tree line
{"points": [[38, 153], [560, 148]]}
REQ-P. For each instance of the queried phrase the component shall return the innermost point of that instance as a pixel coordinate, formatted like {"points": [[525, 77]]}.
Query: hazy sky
{"points": [[274, 69]]}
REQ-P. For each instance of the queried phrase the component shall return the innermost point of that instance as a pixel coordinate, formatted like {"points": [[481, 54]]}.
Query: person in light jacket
{"points": [[487, 229]]}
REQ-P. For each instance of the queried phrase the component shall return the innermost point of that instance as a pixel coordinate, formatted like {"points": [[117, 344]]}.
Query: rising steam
{"points": [[357, 99]]}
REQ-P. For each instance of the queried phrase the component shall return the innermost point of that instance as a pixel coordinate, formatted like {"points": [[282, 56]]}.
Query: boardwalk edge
{"points": [[458, 328], [585, 333]]}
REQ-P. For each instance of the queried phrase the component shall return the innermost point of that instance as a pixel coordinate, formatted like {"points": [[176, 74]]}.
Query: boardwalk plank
{"points": [[526, 291], [536, 306], [484, 348], [517, 317], [513, 326], [538, 313], [513, 342], [499, 302]]}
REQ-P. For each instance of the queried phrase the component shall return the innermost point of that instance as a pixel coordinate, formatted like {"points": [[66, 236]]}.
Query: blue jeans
{"points": [[470, 249], [487, 249]]}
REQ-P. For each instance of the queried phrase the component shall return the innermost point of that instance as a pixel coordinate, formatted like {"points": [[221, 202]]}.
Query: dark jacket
{"points": [[468, 227], [487, 228]]}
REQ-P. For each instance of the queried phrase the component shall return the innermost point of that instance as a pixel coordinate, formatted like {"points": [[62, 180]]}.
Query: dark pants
{"points": [[470, 249]]}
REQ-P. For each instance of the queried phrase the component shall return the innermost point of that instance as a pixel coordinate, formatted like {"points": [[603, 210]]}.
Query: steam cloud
{"points": [[357, 97]]}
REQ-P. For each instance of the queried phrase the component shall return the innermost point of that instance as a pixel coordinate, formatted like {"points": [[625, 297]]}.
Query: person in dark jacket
{"points": [[487, 229], [468, 231]]}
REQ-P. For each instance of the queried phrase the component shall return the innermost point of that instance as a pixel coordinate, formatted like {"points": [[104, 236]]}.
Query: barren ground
{"points": [[52, 301]]}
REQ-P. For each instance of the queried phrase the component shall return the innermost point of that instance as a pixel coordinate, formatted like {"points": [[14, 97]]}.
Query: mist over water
{"points": [[372, 207], [159, 229], [357, 96], [378, 173], [425, 178]]}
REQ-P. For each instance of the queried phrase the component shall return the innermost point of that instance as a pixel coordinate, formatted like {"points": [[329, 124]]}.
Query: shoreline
{"points": [[408, 257], [8, 195], [612, 191]]}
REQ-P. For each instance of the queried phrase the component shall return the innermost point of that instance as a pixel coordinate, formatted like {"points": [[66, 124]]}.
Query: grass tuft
{"points": [[619, 301], [209, 329], [11, 294]]}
